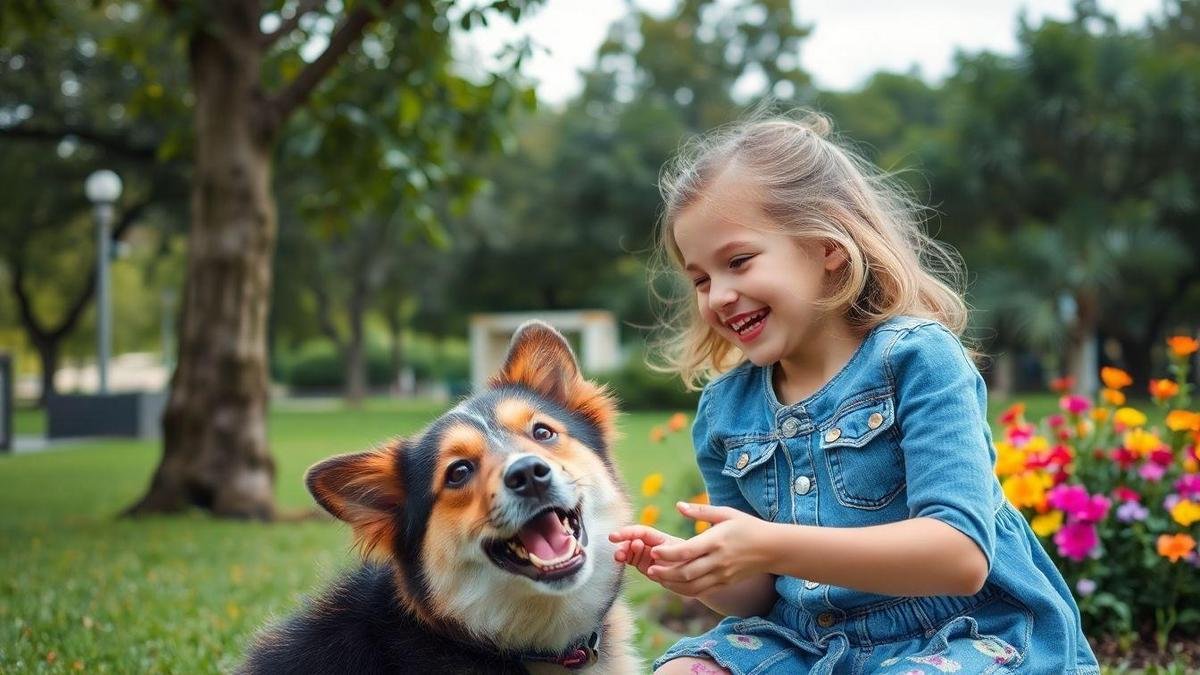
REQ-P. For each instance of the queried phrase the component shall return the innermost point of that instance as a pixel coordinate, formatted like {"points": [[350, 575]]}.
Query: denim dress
{"points": [[900, 432]]}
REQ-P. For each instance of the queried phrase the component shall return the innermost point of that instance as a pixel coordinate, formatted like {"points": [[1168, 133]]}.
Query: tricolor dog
{"points": [[484, 538]]}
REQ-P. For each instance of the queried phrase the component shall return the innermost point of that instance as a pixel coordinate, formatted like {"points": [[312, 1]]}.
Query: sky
{"points": [[850, 38]]}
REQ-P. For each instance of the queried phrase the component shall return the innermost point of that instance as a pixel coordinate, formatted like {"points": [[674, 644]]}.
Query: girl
{"points": [[857, 525]]}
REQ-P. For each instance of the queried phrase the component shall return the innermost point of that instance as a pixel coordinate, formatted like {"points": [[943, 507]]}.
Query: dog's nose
{"points": [[528, 477]]}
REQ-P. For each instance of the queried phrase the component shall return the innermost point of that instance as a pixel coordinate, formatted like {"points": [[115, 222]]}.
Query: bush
{"points": [[1116, 500], [639, 388], [317, 364]]}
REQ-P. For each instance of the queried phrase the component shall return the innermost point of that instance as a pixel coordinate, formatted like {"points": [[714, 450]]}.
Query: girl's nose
{"points": [[721, 296]]}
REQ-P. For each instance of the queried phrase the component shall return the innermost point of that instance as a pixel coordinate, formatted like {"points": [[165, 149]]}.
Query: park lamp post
{"points": [[103, 188]]}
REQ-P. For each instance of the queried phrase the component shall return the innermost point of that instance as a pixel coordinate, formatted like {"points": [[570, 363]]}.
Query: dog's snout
{"points": [[528, 477]]}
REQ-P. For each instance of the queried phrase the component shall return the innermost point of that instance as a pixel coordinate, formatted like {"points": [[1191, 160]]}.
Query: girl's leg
{"points": [[687, 665]]}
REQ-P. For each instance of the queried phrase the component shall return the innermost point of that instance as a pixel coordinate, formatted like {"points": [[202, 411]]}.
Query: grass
{"points": [[81, 589]]}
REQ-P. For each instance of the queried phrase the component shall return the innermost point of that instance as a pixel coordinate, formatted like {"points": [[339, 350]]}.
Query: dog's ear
{"points": [[540, 358], [365, 490]]}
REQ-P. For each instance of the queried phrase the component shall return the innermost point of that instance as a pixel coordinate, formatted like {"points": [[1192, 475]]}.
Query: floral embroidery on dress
{"points": [[1001, 652], [744, 641], [938, 661], [708, 644], [890, 662]]}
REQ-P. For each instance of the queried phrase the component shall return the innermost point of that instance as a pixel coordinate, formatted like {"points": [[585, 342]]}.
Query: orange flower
{"points": [[1183, 345], [657, 435], [1013, 415], [1112, 396], [702, 526], [649, 515], [1175, 546], [1183, 420], [677, 421], [1100, 414], [1115, 378], [652, 484], [1063, 384], [701, 498], [1163, 390]]}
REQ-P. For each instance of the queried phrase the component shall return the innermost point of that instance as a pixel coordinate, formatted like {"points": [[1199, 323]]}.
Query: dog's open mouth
{"points": [[547, 547]]}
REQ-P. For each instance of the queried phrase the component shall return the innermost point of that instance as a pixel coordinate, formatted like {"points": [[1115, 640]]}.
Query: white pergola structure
{"points": [[491, 333]]}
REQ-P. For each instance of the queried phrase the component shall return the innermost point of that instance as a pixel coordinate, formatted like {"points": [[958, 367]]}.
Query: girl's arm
{"points": [[753, 596], [919, 556]]}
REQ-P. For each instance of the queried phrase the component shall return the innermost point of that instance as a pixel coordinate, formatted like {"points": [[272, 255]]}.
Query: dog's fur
{"points": [[434, 595]]}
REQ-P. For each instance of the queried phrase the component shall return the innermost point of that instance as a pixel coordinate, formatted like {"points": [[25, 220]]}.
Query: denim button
{"points": [[826, 620], [802, 485], [743, 460], [811, 585], [790, 427], [833, 434], [874, 420]]}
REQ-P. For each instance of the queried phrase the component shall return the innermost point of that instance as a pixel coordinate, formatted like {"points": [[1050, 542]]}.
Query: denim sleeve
{"points": [[710, 456], [947, 455]]}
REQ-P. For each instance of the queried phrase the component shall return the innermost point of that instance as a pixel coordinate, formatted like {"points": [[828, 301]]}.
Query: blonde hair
{"points": [[815, 190]]}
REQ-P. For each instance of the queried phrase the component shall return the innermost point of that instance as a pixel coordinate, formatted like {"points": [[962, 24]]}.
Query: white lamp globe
{"points": [[102, 187]]}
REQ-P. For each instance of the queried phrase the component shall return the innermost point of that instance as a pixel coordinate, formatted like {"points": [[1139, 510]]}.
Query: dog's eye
{"points": [[541, 432], [459, 473]]}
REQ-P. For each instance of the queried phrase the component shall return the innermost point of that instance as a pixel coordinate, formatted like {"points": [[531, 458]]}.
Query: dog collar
{"points": [[581, 654]]}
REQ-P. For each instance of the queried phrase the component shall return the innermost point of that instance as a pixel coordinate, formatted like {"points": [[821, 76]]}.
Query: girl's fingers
{"points": [[682, 550], [685, 573], [707, 512], [647, 534]]}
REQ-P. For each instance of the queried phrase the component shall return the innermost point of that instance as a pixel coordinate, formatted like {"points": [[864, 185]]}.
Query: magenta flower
{"points": [[1163, 457], [1131, 511], [1055, 421], [1074, 404], [1094, 510], [1188, 485], [1077, 540], [1020, 435], [1068, 498], [1152, 472]]}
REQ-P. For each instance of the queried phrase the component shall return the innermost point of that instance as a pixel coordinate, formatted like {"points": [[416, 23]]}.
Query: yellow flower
{"points": [[1141, 442], [652, 484], [702, 526], [1009, 460], [1112, 396], [1183, 420], [1047, 523], [1037, 444], [1183, 345], [1115, 378], [677, 421], [1163, 390], [649, 515], [1129, 418], [1175, 546], [1185, 512], [1026, 489]]}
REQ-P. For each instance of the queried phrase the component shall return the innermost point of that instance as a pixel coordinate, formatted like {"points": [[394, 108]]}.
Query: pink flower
{"points": [[1152, 472], [1055, 421], [1124, 458], [1076, 540], [1188, 485], [1095, 510], [1162, 456], [1068, 498], [1019, 434], [1074, 404]]}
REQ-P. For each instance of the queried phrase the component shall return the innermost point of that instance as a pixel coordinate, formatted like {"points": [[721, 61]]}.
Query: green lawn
{"points": [[82, 589]]}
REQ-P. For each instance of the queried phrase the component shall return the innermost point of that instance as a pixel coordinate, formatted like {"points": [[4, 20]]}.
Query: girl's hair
{"points": [[816, 190]]}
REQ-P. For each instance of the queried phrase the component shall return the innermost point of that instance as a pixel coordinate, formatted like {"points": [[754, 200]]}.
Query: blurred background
{"points": [[240, 236]]}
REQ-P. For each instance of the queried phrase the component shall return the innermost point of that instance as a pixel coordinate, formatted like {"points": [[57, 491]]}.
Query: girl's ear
{"points": [[834, 256], [364, 490]]}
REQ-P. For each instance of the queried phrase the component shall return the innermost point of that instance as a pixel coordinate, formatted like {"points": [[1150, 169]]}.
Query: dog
{"points": [[484, 537]]}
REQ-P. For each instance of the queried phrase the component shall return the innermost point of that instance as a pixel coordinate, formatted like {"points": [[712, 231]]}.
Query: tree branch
{"points": [[297, 92], [289, 24], [111, 142]]}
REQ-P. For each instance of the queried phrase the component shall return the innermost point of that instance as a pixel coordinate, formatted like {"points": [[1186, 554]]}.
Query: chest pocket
{"points": [[752, 464], [863, 454]]}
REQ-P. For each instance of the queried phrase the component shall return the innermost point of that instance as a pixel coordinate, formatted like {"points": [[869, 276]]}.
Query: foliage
{"points": [[639, 388], [317, 364], [1116, 499]]}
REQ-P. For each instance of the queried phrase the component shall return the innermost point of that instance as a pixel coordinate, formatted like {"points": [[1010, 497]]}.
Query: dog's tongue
{"points": [[545, 537]]}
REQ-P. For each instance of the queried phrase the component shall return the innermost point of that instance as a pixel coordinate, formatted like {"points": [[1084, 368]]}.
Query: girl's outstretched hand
{"points": [[734, 548], [634, 543]]}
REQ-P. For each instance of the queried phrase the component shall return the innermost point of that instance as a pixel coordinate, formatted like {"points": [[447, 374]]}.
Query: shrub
{"points": [[639, 388]]}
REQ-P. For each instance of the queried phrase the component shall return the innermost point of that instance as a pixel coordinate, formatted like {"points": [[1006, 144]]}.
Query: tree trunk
{"points": [[215, 453], [47, 350]]}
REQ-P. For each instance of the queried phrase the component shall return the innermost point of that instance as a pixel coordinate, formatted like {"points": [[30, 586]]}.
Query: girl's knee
{"points": [[688, 665]]}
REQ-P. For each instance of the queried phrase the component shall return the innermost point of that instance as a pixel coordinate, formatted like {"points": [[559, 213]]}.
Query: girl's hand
{"points": [[635, 542], [735, 547]]}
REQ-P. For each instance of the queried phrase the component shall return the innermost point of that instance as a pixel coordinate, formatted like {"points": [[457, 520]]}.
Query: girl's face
{"points": [[754, 285]]}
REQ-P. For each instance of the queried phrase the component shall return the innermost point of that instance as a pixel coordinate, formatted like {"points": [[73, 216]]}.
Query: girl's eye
{"points": [[699, 282], [739, 261], [541, 432], [459, 473]]}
